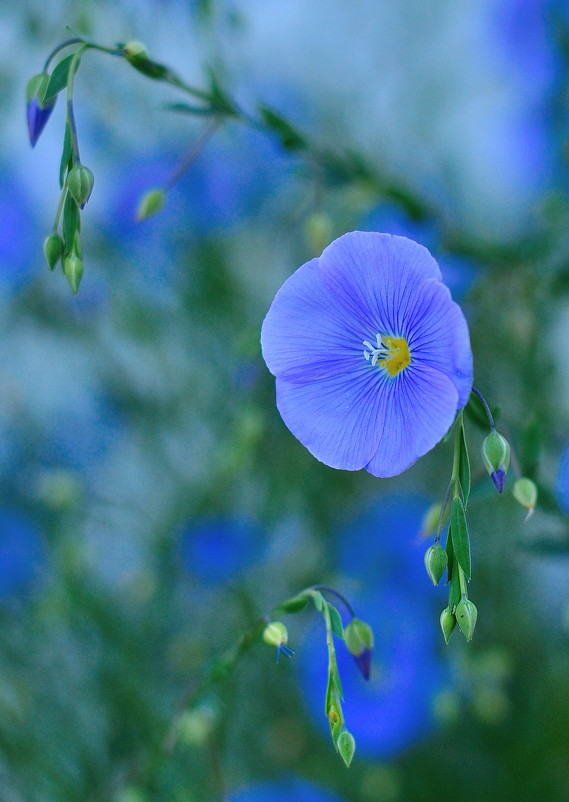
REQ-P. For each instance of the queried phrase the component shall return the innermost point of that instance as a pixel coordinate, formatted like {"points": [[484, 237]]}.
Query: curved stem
{"points": [[75, 41], [344, 601], [484, 403]]}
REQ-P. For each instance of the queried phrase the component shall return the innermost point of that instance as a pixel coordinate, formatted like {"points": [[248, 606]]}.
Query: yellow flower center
{"points": [[390, 353], [397, 357]]}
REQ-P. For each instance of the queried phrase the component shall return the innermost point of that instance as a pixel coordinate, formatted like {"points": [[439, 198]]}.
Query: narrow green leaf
{"points": [[455, 591], [58, 79], [188, 108], [450, 555], [336, 621], [294, 604], [464, 467], [65, 154], [291, 139], [71, 222], [460, 538]]}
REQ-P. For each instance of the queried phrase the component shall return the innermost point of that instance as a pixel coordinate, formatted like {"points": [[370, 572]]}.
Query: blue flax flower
{"points": [[371, 355]]}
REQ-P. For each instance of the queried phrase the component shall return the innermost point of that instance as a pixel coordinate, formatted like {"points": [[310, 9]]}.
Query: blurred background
{"points": [[153, 503]]}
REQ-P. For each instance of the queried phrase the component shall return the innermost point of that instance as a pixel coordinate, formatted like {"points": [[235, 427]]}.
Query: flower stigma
{"points": [[391, 353]]}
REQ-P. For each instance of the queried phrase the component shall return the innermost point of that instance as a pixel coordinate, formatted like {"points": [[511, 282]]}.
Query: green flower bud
{"points": [[318, 230], [53, 248], [448, 623], [73, 269], [150, 203], [431, 519], [133, 49], [525, 493], [358, 637], [275, 634], [496, 458], [80, 183], [436, 561], [346, 746], [466, 615]]}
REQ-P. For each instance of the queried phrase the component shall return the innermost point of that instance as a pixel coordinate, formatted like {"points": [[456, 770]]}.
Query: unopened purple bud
{"points": [[37, 117], [498, 477], [363, 662]]}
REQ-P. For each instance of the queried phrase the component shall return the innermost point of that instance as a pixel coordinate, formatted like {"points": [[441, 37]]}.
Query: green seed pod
{"points": [[73, 269], [525, 493], [466, 615], [53, 248], [448, 623], [275, 634], [436, 561], [80, 183], [150, 203]]}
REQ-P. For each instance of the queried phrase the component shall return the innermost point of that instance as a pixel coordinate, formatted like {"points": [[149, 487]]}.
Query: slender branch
{"points": [[75, 41], [484, 403]]}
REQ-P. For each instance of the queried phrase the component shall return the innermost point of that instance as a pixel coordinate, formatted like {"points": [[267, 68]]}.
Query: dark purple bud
{"points": [[363, 662], [498, 477], [37, 118]]}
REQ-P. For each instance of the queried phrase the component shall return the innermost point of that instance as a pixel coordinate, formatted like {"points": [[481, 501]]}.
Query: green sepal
{"points": [[336, 621], [53, 249], [71, 222], [73, 269], [295, 603], [66, 154], [460, 538], [36, 87], [290, 138], [464, 467], [58, 79], [358, 637], [346, 746]]}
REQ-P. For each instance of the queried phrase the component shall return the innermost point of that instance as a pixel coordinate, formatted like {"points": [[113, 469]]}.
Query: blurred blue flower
{"points": [[562, 483], [19, 238], [384, 405], [217, 549], [458, 272], [394, 708], [21, 553], [288, 790]]}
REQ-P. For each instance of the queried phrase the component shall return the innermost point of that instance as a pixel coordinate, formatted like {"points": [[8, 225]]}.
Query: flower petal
{"points": [[437, 334], [420, 406], [373, 275], [307, 334], [339, 418]]}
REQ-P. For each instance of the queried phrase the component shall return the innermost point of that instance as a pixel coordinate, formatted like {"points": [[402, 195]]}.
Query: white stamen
{"points": [[380, 352]]}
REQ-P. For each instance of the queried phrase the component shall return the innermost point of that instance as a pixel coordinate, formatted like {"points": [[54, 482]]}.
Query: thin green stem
{"points": [[444, 506], [462, 580], [484, 403], [193, 153], [70, 114], [59, 208], [455, 481]]}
